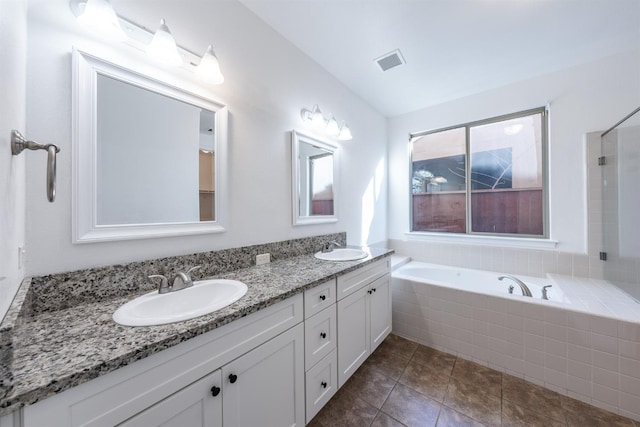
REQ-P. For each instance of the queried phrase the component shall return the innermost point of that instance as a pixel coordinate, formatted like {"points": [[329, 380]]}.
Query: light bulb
{"points": [[345, 133], [99, 17], [163, 47], [317, 120], [332, 126], [209, 68]]}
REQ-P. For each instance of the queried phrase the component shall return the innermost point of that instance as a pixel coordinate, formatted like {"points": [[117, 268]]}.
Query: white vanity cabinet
{"points": [[364, 315], [243, 393], [174, 387], [276, 367]]}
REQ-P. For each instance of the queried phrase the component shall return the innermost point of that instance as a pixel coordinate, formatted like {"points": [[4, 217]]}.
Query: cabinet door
{"points": [[380, 307], [194, 405], [265, 387], [353, 333]]}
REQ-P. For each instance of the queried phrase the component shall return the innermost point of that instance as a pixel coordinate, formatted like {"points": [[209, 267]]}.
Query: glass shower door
{"points": [[621, 204]]}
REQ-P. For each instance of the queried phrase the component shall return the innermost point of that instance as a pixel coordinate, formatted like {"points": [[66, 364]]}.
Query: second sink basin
{"points": [[204, 297], [342, 254]]}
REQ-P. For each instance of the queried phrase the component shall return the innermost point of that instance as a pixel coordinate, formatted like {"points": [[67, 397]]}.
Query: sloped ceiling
{"points": [[452, 48]]}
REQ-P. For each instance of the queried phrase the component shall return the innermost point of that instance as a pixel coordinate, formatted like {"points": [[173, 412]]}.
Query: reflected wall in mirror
{"points": [[149, 156], [314, 180]]}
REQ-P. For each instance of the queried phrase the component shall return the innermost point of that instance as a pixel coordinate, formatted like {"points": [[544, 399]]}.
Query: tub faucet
{"points": [[544, 291], [328, 247], [525, 289]]}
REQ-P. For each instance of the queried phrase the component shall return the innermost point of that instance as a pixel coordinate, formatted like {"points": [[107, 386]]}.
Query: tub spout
{"points": [[525, 289]]}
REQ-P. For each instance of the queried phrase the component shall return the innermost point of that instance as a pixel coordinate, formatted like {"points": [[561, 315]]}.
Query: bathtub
{"points": [[484, 282], [560, 343]]}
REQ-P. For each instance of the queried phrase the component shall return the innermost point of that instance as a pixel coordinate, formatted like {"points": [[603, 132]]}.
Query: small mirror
{"points": [[313, 180], [149, 156]]}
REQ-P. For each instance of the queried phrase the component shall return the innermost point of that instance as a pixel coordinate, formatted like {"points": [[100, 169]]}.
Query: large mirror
{"points": [[149, 156], [314, 178]]}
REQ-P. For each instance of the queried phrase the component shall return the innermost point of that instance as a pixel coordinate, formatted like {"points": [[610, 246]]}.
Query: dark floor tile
{"points": [[436, 359], [532, 397], [384, 420], [411, 408], [429, 381], [370, 385], [581, 414], [345, 409], [517, 416], [450, 418], [388, 363], [489, 379], [471, 399], [315, 422], [400, 346]]}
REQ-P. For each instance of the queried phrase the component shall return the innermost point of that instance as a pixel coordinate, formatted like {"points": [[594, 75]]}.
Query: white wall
{"points": [[267, 82], [13, 43], [586, 98]]}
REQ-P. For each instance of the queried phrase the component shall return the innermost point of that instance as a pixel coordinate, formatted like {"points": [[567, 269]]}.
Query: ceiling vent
{"points": [[390, 60]]}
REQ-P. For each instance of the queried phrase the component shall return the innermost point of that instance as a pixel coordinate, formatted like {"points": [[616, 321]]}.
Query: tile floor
{"points": [[406, 384]]}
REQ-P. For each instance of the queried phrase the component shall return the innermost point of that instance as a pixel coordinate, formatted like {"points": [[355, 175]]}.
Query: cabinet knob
{"points": [[369, 291], [215, 390], [323, 384], [374, 289], [233, 378], [323, 335], [323, 297]]}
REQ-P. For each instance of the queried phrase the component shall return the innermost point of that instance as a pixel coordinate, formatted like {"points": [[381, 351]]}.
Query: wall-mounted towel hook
{"points": [[19, 143]]}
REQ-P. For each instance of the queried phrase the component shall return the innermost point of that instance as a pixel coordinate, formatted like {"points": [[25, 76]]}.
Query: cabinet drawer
{"points": [[318, 298], [351, 282], [320, 336], [321, 384]]}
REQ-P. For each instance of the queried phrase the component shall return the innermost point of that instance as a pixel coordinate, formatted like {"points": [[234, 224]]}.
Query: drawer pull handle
{"points": [[323, 384], [215, 390], [233, 378], [323, 335], [323, 297]]}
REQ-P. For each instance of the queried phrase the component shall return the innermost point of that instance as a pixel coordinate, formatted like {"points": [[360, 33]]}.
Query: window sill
{"points": [[470, 239]]}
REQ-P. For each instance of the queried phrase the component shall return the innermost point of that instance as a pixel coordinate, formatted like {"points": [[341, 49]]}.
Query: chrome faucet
{"points": [[328, 247], [544, 291], [182, 280], [525, 289]]}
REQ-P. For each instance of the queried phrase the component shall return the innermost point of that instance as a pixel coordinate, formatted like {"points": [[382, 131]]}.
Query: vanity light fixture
{"points": [[99, 17], [163, 47], [209, 68], [317, 120]]}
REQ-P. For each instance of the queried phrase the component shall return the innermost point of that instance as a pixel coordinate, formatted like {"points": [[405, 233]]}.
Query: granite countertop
{"points": [[54, 351]]}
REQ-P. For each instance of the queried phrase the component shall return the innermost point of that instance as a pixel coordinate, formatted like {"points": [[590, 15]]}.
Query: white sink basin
{"points": [[342, 254], [204, 297]]}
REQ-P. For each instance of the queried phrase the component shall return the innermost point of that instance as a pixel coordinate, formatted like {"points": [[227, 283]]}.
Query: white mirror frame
{"points": [[296, 138], [86, 68]]}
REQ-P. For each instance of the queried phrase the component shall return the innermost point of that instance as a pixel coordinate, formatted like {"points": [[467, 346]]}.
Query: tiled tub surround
{"points": [[586, 350], [57, 348]]}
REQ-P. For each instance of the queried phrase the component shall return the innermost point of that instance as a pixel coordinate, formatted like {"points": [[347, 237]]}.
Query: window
{"points": [[486, 177]]}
